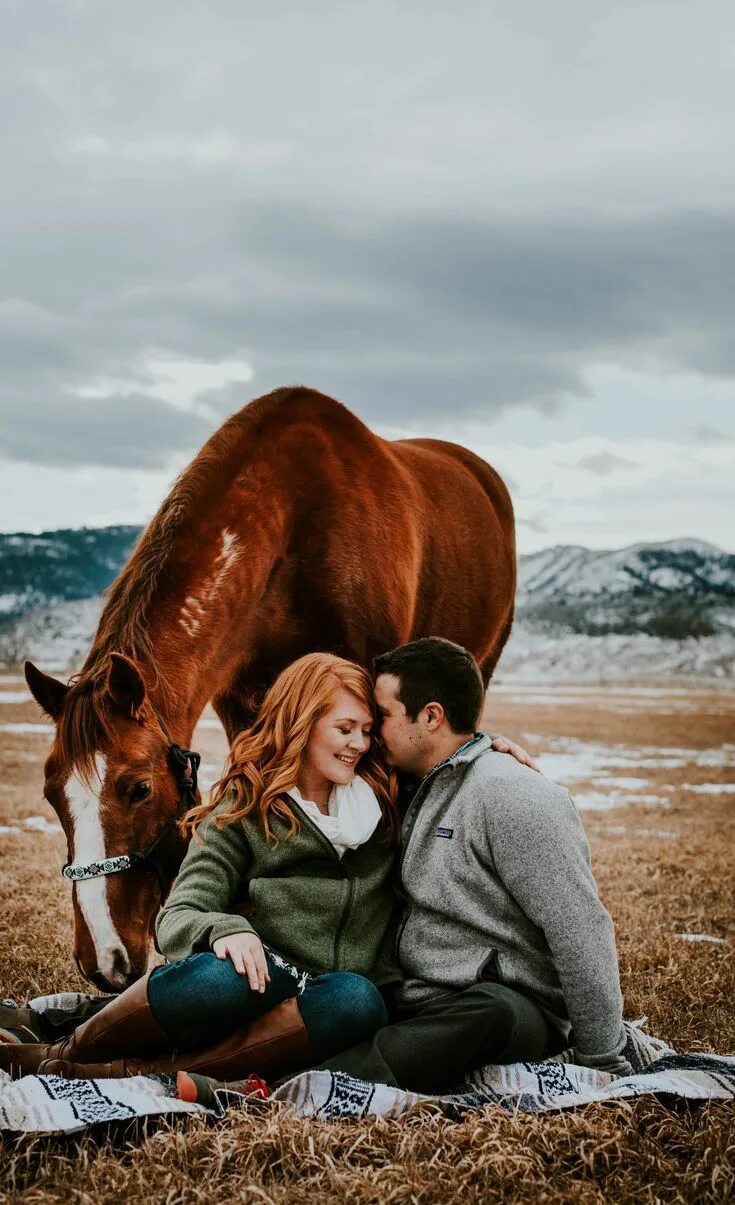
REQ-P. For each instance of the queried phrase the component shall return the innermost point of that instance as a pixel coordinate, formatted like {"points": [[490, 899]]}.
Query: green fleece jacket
{"points": [[322, 912]]}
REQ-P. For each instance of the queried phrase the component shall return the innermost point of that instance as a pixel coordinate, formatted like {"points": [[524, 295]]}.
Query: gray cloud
{"points": [[705, 433], [535, 523], [603, 463], [119, 432], [356, 215]]}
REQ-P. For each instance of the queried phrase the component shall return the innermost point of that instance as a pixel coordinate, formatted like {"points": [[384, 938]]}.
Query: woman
{"points": [[278, 929]]}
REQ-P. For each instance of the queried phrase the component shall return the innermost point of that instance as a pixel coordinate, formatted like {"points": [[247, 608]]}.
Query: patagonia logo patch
{"points": [[445, 832]]}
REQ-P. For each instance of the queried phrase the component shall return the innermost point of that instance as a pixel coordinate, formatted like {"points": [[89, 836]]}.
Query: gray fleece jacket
{"points": [[496, 873]]}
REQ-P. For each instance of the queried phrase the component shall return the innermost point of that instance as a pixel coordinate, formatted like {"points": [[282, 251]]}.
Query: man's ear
{"points": [[434, 713]]}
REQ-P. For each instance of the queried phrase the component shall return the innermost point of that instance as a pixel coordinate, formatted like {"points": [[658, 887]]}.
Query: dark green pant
{"points": [[432, 1048]]}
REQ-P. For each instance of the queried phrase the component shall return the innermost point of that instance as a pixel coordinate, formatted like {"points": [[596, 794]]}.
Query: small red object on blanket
{"points": [[200, 1089]]}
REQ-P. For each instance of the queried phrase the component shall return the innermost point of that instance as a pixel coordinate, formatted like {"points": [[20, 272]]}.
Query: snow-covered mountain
{"points": [[53, 566], [647, 609], [676, 589]]}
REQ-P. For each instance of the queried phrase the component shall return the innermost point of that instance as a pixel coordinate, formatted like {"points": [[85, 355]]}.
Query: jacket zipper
{"points": [[445, 765], [315, 827], [351, 882], [343, 921]]}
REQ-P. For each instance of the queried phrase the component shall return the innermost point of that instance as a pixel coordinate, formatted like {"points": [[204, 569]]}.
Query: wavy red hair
{"points": [[265, 760]]}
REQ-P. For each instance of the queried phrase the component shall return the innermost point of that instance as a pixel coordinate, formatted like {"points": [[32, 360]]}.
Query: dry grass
{"points": [[654, 884], [600, 1154]]}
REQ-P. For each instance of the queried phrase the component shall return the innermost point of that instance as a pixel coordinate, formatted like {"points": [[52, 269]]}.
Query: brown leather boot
{"points": [[125, 1026], [21, 1025], [269, 1046]]}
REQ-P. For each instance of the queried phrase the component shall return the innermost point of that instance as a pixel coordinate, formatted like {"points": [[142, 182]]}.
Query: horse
{"points": [[294, 529]]}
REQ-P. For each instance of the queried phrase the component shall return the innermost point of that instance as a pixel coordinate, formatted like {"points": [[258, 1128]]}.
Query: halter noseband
{"points": [[185, 764]]}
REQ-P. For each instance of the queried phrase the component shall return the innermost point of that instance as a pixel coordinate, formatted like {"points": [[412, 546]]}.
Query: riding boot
{"points": [[269, 1046], [125, 1026], [19, 1024]]}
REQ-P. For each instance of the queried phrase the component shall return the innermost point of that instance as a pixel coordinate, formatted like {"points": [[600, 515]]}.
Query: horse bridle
{"points": [[185, 764]]}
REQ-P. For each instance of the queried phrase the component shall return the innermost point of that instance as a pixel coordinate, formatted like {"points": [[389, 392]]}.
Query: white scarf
{"points": [[354, 813]]}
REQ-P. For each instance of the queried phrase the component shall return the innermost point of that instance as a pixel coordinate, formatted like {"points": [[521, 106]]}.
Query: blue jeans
{"points": [[202, 999]]}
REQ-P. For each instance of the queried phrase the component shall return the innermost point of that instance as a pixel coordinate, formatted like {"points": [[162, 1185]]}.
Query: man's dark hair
{"points": [[434, 670]]}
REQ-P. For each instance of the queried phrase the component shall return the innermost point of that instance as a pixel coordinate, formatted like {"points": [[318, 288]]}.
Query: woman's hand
{"points": [[246, 953], [501, 744]]}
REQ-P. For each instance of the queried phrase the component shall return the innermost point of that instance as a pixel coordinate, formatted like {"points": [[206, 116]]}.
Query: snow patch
{"points": [[599, 801], [38, 729], [720, 941], [534, 656], [35, 824], [39, 824], [707, 788], [570, 762]]}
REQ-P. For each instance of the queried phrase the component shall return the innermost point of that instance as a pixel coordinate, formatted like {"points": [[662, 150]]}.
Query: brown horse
{"points": [[294, 529]]}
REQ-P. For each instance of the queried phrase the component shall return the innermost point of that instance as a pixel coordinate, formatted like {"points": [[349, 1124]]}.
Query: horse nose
{"points": [[114, 971], [120, 963]]}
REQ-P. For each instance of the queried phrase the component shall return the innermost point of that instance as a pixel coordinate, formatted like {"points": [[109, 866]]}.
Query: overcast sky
{"points": [[508, 224]]}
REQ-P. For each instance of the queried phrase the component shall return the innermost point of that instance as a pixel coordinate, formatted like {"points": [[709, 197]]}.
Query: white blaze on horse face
{"points": [[88, 845], [194, 610]]}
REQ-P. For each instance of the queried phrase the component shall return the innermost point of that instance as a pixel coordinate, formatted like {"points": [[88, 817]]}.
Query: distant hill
{"points": [[675, 590], [57, 566], [679, 596]]}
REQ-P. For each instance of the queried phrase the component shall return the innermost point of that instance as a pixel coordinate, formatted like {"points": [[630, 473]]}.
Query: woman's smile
{"points": [[342, 735]]}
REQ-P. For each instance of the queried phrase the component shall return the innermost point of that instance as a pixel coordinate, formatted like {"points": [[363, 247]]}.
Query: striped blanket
{"points": [[49, 1105]]}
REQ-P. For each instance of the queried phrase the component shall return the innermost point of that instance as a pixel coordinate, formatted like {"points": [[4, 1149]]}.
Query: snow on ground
{"points": [[602, 801], [572, 762], [700, 937], [537, 656], [40, 824], [37, 729], [37, 824], [622, 704], [707, 788]]}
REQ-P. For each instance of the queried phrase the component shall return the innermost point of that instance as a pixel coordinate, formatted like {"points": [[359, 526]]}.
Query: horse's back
{"points": [[466, 588], [432, 458]]}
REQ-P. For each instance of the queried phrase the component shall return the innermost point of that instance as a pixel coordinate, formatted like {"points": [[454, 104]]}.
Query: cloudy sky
{"points": [[511, 224]]}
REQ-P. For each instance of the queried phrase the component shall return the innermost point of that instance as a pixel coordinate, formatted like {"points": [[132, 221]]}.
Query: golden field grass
{"points": [[664, 867]]}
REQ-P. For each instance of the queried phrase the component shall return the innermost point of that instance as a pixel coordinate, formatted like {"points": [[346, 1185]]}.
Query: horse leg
{"points": [[235, 711], [238, 704]]}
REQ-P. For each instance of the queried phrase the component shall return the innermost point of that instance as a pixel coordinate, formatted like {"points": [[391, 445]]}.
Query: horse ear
{"points": [[125, 685], [48, 692]]}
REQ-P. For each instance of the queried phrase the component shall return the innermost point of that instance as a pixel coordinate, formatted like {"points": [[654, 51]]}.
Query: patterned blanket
{"points": [[49, 1105]]}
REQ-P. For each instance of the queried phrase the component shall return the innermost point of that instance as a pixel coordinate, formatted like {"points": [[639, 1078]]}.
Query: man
{"points": [[507, 952]]}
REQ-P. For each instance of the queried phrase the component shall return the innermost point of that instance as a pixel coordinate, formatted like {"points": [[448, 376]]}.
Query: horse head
{"points": [[117, 783]]}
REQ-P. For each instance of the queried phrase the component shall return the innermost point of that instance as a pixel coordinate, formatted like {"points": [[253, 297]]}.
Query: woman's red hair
{"points": [[265, 760]]}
